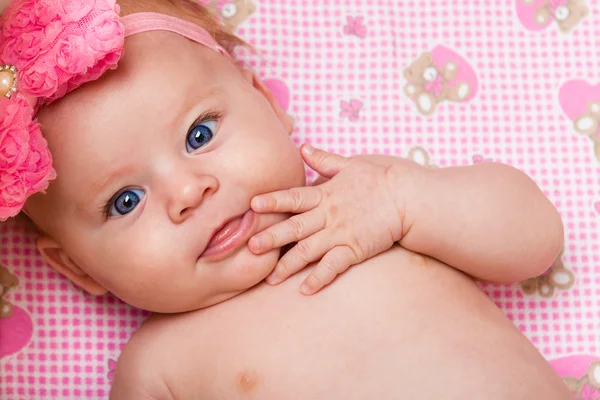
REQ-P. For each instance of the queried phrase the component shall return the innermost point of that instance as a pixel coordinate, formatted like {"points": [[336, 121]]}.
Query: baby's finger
{"points": [[291, 230], [294, 200], [336, 261], [326, 164], [303, 253]]}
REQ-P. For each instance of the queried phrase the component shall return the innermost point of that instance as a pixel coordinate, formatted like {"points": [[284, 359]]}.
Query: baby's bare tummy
{"points": [[396, 327]]}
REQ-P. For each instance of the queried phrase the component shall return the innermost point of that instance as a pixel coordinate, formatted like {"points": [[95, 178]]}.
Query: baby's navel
{"points": [[247, 381]]}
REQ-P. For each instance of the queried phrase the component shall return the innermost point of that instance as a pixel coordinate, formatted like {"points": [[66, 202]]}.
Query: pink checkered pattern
{"points": [[342, 62]]}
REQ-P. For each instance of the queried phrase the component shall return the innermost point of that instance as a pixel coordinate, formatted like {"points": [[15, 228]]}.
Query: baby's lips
{"points": [[576, 95]]}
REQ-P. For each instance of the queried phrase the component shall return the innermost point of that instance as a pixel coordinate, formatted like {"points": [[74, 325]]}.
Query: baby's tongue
{"points": [[225, 232]]}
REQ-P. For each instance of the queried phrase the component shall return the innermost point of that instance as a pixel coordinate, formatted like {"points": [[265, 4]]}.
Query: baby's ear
{"points": [[60, 261], [286, 120]]}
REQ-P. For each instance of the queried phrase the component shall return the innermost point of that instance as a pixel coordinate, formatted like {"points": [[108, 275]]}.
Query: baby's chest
{"points": [[289, 362], [352, 341]]}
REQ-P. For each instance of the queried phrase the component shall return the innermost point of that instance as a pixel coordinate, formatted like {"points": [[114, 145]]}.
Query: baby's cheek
{"points": [[136, 267]]}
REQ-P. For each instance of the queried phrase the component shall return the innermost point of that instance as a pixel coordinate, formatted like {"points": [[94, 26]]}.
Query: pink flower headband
{"points": [[47, 49]]}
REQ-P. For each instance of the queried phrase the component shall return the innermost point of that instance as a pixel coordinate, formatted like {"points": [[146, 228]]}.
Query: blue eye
{"points": [[125, 202], [200, 134]]}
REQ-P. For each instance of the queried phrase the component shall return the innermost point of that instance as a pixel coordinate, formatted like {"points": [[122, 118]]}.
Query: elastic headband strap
{"points": [[147, 21], [39, 65]]}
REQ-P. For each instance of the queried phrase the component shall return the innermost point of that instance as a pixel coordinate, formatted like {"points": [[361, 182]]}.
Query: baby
{"points": [[176, 186]]}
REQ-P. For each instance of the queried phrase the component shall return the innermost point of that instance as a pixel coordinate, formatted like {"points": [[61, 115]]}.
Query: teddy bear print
{"points": [[8, 281], [580, 101], [586, 386], [232, 12], [16, 326], [421, 156], [567, 13], [557, 277], [437, 76], [588, 124]]}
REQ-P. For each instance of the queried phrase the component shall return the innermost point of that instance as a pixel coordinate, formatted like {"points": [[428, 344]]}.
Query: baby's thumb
{"points": [[326, 164]]}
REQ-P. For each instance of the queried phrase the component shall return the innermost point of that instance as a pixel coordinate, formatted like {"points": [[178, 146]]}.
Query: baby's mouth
{"points": [[230, 235], [225, 231]]}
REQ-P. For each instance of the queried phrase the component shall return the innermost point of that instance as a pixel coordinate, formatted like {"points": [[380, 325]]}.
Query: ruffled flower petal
{"points": [[56, 46], [25, 161]]}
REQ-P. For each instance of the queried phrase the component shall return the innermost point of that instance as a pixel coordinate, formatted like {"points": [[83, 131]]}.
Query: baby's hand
{"points": [[342, 222]]}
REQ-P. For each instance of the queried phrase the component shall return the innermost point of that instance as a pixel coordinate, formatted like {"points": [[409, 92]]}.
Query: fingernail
{"points": [[308, 149], [304, 289], [259, 203], [272, 279], [257, 243]]}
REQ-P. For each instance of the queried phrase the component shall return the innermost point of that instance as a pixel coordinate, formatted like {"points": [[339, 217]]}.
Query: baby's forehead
{"points": [[159, 80], [157, 67]]}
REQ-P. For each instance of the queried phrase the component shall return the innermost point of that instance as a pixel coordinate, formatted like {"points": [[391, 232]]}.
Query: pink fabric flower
{"points": [[18, 18], [108, 62], [51, 32], [73, 55], [14, 141], [26, 46], [56, 46], [40, 79], [75, 10], [37, 169], [13, 195], [106, 33], [45, 14], [25, 162]]}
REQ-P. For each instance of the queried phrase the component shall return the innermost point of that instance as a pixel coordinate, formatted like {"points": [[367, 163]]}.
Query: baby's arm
{"points": [[489, 220]]}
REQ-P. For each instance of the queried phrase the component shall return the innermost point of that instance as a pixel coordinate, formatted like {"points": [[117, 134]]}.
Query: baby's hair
{"points": [[189, 10]]}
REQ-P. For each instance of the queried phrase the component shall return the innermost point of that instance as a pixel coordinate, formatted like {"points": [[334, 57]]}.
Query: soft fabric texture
{"points": [[51, 48], [516, 82]]}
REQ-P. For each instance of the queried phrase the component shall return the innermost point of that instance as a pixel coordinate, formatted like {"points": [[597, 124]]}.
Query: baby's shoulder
{"points": [[139, 373], [164, 350]]}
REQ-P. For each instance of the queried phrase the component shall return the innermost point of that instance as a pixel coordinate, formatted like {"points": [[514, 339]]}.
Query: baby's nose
{"points": [[189, 194]]}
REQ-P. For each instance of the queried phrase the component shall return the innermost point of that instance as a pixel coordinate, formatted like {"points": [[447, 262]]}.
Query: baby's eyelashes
{"points": [[123, 202], [202, 131], [200, 135]]}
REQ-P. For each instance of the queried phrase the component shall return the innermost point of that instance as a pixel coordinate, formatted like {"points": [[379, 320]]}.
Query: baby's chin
{"points": [[250, 269], [240, 273]]}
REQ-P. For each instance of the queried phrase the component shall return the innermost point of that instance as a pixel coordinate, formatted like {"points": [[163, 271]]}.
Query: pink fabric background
{"points": [[337, 65]]}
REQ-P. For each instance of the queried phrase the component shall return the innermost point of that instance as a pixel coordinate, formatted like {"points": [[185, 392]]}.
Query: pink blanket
{"points": [[442, 82]]}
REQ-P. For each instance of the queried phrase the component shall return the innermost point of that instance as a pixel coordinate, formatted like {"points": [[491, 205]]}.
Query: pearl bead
{"points": [[7, 80]]}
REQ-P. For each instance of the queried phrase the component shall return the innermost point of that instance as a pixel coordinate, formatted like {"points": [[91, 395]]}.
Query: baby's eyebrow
{"points": [[105, 181], [181, 121], [191, 99]]}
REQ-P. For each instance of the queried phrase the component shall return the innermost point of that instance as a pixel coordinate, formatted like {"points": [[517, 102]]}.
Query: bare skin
{"points": [[397, 326]]}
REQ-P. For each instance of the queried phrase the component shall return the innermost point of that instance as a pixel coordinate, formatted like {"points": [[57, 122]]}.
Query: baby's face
{"points": [[152, 160]]}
